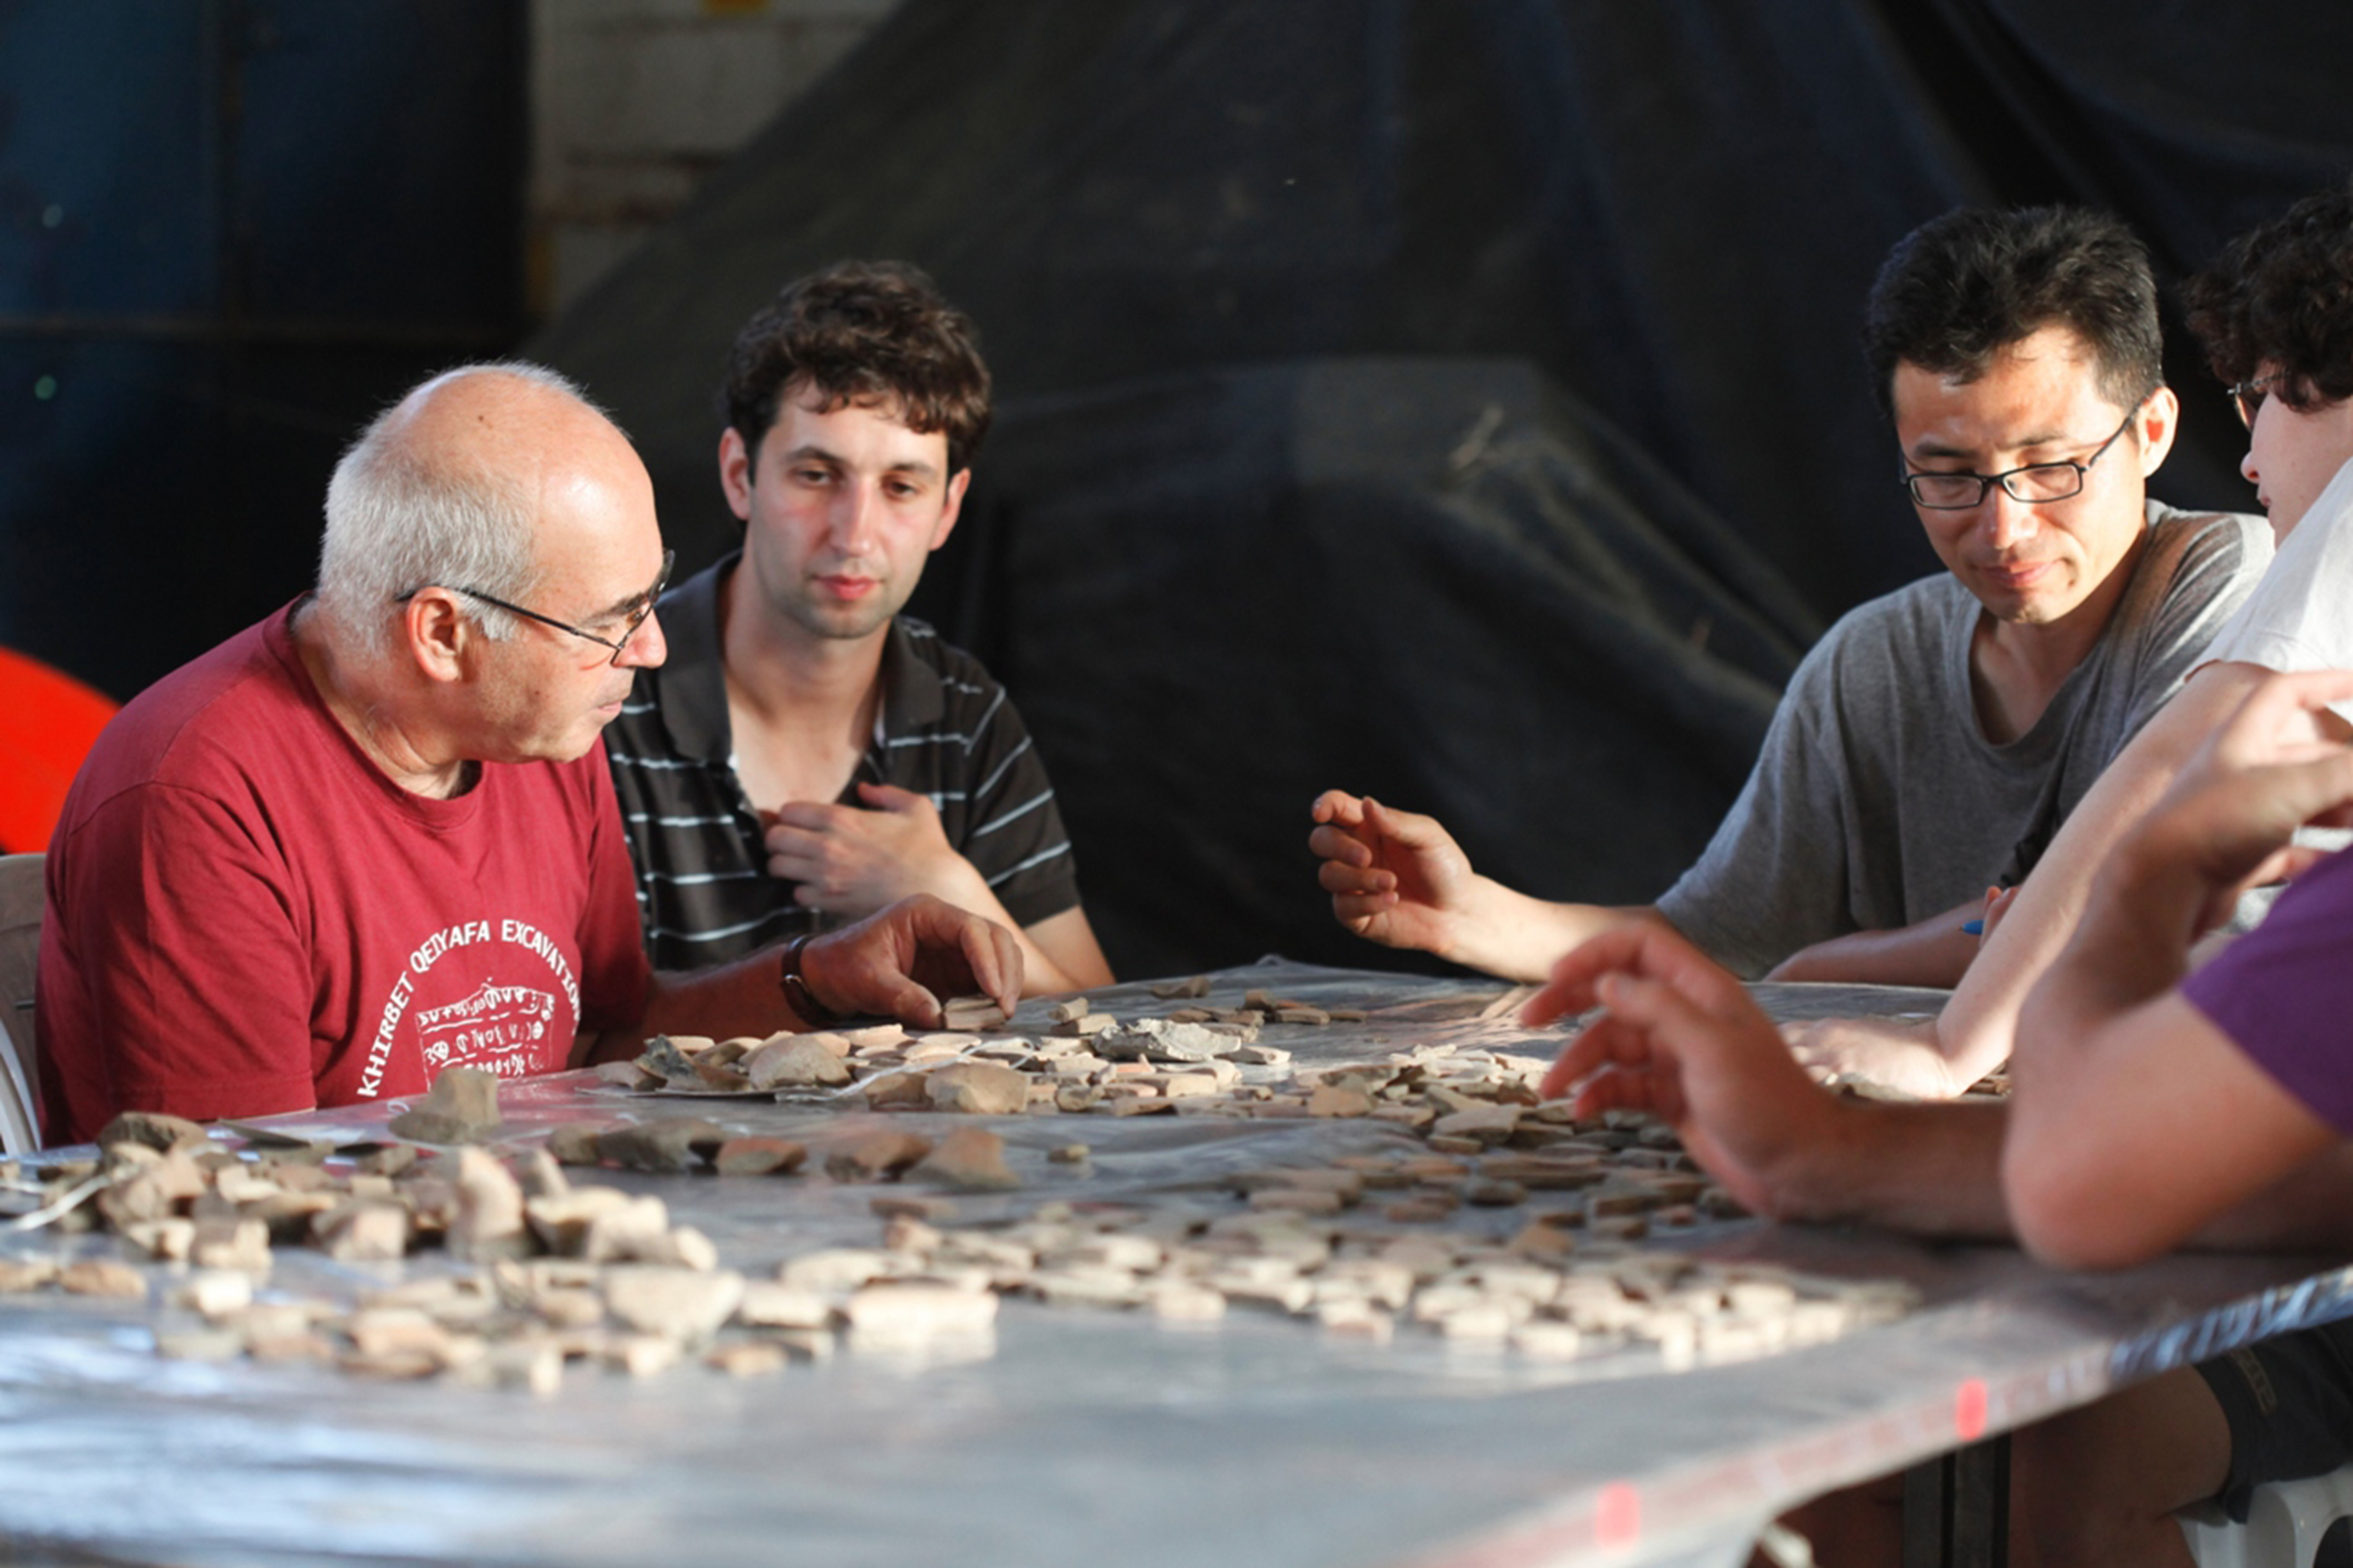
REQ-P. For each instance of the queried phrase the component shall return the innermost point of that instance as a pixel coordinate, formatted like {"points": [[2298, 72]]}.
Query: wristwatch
{"points": [[797, 995]]}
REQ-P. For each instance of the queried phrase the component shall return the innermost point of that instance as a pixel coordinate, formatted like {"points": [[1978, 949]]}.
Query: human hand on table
{"points": [[902, 962], [851, 860], [1683, 1039], [1903, 1054], [1395, 878]]}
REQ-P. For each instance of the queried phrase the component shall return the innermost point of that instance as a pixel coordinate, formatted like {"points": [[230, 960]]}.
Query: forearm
{"points": [[1979, 1026], [745, 997], [1927, 1170], [1061, 954], [1515, 937], [1934, 952], [1051, 960]]}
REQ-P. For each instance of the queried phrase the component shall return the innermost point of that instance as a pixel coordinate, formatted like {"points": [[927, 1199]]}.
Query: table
{"points": [[1085, 1439]]}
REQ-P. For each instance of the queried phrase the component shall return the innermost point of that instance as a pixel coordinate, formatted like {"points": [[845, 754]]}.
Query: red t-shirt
{"points": [[246, 915]]}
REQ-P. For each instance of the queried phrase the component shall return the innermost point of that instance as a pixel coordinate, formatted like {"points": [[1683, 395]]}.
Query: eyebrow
{"points": [[803, 452], [614, 612], [1937, 449]]}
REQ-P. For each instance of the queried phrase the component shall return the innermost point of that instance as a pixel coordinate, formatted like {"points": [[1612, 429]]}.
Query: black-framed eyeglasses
{"points": [[639, 608], [2248, 396], [2034, 483]]}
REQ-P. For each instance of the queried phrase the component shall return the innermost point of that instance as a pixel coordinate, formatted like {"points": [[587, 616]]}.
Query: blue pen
{"points": [[1973, 928]]}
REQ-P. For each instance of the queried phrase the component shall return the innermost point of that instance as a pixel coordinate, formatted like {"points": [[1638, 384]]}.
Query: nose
{"points": [[856, 510], [2007, 521], [2248, 470], [646, 648]]}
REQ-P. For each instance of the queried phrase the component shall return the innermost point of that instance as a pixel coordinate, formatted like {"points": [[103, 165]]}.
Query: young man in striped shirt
{"points": [[808, 754]]}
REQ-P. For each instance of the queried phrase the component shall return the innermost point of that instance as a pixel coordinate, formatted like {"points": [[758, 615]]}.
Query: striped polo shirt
{"points": [[943, 729]]}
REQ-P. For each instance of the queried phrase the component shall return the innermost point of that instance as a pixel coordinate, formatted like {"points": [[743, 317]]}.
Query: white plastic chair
{"points": [[2285, 1520], [20, 933]]}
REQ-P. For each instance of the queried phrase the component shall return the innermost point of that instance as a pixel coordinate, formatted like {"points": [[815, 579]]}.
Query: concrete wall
{"points": [[635, 101]]}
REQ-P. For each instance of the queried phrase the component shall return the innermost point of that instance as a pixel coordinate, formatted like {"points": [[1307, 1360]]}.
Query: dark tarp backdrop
{"points": [[1346, 348], [1455, 399]]}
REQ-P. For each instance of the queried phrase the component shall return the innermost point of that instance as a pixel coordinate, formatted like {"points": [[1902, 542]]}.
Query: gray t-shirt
{"points": [[1877, 800]]}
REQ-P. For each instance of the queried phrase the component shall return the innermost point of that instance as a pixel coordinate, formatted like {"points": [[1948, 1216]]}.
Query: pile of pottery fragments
{"points": [[543, 1267]]}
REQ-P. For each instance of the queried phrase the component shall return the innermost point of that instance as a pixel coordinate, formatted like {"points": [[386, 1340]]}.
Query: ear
{"points": [[2158, 421], [438, 637], [736, 472], [958, 484]]}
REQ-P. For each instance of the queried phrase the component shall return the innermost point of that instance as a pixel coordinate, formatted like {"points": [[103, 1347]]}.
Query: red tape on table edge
{"points": [[1618, 1515], [1969, 1410]]}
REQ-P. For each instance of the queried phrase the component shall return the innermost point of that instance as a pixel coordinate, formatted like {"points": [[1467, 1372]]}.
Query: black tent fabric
{"points": [[1440, 581], [1670, 212]]}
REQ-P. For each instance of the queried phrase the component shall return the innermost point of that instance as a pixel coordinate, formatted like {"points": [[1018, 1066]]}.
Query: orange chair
{"points": [[48, 721]]}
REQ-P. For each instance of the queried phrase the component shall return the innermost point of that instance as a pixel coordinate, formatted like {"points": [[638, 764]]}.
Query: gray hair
{"points": [[402, 515]]}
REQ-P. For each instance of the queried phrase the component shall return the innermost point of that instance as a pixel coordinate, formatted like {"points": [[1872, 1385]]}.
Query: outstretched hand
{"points": [[1395, 878], [1683, 1039], [2229, 819], [902, 962]]}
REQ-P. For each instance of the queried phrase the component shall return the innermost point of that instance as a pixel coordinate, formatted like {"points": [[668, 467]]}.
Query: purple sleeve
{"points": [[2283, 993]]}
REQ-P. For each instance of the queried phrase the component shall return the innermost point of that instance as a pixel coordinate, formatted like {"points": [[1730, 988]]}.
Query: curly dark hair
{"points": [[862, 333], [1961, 287], [2282, 296]]}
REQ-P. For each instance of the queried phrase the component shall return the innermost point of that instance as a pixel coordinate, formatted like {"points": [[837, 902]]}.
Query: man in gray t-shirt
{"points": [[1930, 745], [1876, 801]]}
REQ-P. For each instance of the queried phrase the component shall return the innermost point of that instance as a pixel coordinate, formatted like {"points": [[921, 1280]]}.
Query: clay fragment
{"points": [[462, 1107], [912, 1310], [970, 1159], [771, 1304], [1158, 1039], [225, 1243], [385, 1159], [964, 1015], [364, 1231], [667, 1147], [1184, 1301], [792, 1061], [101, 1276], [565, 1222], [198, 1344], [158, 1186], [886, 1090], [759, 1157], [576, 1143], [1065, 1011], [1487, 1192], [534, 1366], [1070, 1153], [979, 1088], [1331, 1100], [153, 1129], [1198, 985], [684, 1304], [166, 1240], [488, 1221], [1486, 1124], [876, 1157], [1085, 1027], [746, 1358]]}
